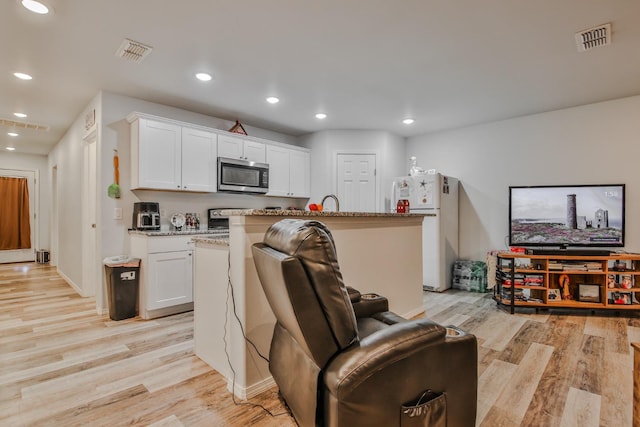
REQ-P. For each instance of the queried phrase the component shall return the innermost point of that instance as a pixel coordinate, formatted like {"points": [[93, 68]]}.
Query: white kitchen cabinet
{"points": [[198, 160], [166, 273], [167, 156], [170, 280], [155, 155], [300, 174], [243, 149], [289, 172]]}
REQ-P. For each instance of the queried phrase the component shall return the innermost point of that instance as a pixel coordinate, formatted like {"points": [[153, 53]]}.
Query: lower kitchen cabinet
{"points": [[170, 280], [166, 273]]}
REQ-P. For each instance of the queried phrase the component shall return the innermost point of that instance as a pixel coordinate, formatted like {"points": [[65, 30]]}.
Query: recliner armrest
{"points": [[374, 352], [354, 294], [370, 305]]}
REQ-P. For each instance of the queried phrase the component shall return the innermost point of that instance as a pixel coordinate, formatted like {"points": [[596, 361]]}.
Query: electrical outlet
{"points": [[117, 213]]}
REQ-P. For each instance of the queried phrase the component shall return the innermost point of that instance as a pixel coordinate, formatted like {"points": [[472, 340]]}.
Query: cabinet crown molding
{"points": [[136, 115]]}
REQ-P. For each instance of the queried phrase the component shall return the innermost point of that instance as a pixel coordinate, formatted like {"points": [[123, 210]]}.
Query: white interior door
{"points": [[23, 255], [53, 222], [89, 269], [356, 179]]}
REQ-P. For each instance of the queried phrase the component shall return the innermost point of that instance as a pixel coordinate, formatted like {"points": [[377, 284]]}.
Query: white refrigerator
{"points": [[436, 196]]}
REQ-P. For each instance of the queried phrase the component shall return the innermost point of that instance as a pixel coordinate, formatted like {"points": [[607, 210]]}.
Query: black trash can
{"points": [[123, 275]]}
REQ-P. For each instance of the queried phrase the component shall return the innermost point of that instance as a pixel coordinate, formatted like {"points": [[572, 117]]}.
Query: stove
{"points": [[217, 221]]}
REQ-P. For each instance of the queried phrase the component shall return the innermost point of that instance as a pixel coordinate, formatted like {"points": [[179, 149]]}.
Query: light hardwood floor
{"points": [[63, 365]]}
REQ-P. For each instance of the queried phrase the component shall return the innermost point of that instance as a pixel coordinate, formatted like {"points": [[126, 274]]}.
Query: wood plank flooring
{"points": [[63, 365]]}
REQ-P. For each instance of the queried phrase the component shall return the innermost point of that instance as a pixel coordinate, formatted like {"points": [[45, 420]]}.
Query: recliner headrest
{"points": [[312, 243]]}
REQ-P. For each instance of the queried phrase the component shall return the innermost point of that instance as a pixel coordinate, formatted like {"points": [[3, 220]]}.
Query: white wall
{"points": [[592, 144], [68, 158], [33, 162], [326, 144]]}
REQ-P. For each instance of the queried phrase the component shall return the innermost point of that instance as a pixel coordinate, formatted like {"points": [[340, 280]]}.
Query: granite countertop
{"points": [[295, 212], [206, 232], [213, 239]]}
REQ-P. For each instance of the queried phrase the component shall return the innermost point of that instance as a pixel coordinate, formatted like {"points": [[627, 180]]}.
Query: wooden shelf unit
{"points": [[609, 282]]}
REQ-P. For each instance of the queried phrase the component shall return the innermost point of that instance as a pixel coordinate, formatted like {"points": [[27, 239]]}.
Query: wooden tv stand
{"points": [[606, 282]]}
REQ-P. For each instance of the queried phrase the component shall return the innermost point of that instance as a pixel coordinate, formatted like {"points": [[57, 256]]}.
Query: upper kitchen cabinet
{"points": [[198, 160], [169, 156], [289, 172], [238, 148]]}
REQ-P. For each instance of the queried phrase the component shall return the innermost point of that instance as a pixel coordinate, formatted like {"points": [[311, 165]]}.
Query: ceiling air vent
{"points": [[133, 51], [594, 37], [23, 125]]}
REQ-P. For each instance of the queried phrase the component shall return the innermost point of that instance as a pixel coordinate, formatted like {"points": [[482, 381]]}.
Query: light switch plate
{"points": [[117, 213]]}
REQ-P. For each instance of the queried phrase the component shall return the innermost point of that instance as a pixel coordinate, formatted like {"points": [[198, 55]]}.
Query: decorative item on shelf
{"points": [[554, 295], [588, 293], [416, 170], [626, 281], [620, 298], [619, 265], [191, 221], [564, 282], [611, 281], [237, 128], [178, 221]]}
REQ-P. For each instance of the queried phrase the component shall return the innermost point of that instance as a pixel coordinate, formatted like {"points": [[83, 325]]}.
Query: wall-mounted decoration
{"points": [[90, 119]]}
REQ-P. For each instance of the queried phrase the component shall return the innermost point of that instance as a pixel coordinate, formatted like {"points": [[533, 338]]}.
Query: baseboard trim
{"points": [[253, 390], [413, 313], [166, 311], [69, 281]]}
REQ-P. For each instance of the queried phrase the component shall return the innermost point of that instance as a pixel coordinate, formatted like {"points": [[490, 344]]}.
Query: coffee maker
{"points": [[146, 216]]}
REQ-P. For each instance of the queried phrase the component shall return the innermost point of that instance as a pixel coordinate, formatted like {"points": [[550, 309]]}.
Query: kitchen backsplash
{"points": [[176, 202]]}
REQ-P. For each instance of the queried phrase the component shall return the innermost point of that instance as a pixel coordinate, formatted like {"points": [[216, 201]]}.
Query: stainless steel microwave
{"points": [[242, 176]]}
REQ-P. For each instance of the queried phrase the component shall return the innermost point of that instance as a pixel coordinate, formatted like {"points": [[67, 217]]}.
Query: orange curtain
{"points": [[15, 229]]}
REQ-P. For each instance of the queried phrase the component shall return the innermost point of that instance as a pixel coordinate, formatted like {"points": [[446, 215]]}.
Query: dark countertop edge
{"points": [[293, 212], [177, 233]]}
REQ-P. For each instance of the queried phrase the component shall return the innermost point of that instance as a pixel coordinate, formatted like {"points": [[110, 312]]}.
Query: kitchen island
{"points": [[377, 252]]}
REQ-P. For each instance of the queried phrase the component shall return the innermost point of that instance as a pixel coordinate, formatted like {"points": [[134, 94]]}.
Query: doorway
{"points": [[54, 216], [356, 182], [24, 255], [89, 238]]}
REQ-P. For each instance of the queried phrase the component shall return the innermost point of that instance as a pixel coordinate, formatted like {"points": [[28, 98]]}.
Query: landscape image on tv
{"points": [[567, 216]]}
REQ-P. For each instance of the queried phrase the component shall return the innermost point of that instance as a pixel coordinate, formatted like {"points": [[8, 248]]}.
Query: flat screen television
{"points": [[565, 216]]}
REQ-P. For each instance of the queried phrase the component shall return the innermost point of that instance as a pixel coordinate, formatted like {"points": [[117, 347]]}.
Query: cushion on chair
{"points": [[311, 242]]}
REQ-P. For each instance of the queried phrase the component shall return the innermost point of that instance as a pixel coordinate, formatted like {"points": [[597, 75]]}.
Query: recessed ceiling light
{"points": [[203, 77], [273, 100], [12, 134], [10, 148], [23, 76], [408, 121], [34, 6], [321, 116], [21, 115]]}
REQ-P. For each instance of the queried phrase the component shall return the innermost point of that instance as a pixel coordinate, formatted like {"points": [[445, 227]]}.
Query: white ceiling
{"points": [[366, 63]]}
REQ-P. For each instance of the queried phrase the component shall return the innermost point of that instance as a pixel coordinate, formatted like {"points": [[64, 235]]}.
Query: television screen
{"points": [[579, 215]]}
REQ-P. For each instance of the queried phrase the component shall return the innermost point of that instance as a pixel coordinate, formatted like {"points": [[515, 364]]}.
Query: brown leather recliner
{"points": [[340, 358]]}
